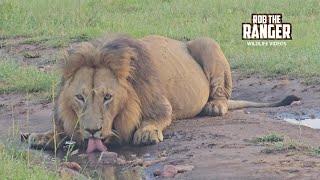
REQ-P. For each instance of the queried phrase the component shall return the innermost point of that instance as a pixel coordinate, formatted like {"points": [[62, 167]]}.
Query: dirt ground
{"points": [[217, 147]]}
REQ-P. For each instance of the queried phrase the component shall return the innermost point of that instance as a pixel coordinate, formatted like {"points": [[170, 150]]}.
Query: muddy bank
{"points": [[217, 147]]}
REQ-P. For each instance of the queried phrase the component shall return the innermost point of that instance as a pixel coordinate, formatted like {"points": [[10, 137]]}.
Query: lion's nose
{"points": [[95, 133]]}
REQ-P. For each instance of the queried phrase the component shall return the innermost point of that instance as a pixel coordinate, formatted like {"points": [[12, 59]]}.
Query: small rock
{"points": [[295, 103], [157, 172], [133, 155], [147, 155], [121, 161], [71, 165], [246, 112], [169, 171], [108, 157], [147, 163], [184, 168]]}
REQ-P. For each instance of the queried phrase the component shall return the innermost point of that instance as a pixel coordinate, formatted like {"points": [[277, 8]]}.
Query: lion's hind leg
{"points": [[217, 70]]}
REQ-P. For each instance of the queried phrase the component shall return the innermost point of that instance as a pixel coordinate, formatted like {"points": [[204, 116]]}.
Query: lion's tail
{"points": [[235, 104]]}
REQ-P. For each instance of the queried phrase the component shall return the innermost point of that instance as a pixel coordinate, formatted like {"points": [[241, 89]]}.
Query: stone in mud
{"points": [[121, 161], [184, 168], [169, 171], [108, 158], [133, 155], [295, 103], [147, 155], [157, 172]]}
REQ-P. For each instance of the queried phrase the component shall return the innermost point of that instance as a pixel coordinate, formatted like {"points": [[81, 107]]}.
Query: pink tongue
{"points": [[95, 144]]}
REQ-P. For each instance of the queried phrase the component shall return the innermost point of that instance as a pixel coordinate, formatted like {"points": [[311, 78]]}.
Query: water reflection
{"points": [[313, 123], [92, 166], [310, 119]]}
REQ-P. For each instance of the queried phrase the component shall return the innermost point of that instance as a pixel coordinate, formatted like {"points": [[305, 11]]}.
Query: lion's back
{"points": [[184, 81]]}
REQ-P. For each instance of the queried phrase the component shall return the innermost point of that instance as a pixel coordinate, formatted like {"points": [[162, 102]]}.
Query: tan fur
{"points": [[152, 81]]}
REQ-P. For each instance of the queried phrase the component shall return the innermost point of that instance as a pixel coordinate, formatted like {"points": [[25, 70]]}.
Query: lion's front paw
{"points": [[215, 108], [147, 135], [40, 141]]}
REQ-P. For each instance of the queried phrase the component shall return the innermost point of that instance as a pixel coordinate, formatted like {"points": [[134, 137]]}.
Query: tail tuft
{"points": [[288, 100]]}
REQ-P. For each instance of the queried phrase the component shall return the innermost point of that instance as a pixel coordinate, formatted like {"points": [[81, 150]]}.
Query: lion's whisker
{"points": [[115, 133]]}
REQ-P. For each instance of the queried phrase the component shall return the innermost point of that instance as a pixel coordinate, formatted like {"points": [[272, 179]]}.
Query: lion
{"points": [[128, 90]]}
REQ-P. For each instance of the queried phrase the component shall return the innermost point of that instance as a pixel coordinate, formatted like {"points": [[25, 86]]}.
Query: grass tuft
{"points": [[316, 151], [275, 143], [270, 138], [280, 147]]}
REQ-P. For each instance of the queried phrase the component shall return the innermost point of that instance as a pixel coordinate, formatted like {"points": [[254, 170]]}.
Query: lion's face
{"points": [[97, 100], [95, 96]]}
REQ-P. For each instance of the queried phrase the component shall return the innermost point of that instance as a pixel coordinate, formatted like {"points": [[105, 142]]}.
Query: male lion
{"points": [[130, 90]]}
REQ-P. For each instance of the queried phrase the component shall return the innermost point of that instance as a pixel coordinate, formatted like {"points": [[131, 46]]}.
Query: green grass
{"points": [[275, 143], [316, 151], [60, 22], [283, 147], [270, 138], [14, 78], [15, 165]]}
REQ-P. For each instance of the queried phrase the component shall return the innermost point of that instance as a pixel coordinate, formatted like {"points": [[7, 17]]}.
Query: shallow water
{"points": [[311, 118], [313, 123], [91, 167]]}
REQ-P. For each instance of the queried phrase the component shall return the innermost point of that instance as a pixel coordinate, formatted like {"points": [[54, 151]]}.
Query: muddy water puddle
{"points": [[309, 118], [131, 165], [119, 163]]}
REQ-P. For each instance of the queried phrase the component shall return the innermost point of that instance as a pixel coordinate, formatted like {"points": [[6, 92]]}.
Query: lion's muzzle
{"points": [[94, 140], [92, 133]]}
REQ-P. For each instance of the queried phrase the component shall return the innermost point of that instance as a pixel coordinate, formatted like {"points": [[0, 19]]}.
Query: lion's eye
{"points": [[107, 97], [80, 97]]}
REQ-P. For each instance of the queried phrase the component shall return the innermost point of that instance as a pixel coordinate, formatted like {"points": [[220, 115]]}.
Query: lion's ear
{"points": [[119, 61], [75, 57]]}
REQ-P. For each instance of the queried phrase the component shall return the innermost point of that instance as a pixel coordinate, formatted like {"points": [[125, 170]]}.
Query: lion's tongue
{"points": [[95, 144]]}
